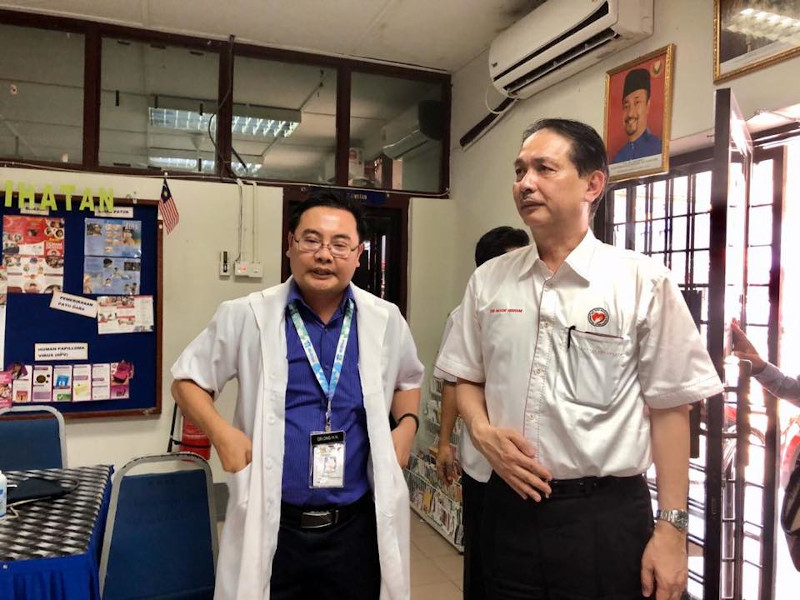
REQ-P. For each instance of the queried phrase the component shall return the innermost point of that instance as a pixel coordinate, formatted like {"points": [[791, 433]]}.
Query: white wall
{"points": [[193, 289], [481, 177]]}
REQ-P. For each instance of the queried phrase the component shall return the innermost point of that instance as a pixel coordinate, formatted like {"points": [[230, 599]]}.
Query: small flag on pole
{"points": [[167, 208]]}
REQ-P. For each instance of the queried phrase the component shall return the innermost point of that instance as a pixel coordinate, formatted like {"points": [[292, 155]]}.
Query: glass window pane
{"points": [[761, 183], [620, 205], [284, 120], [757, 305], [641, 233], [41, 73], [758, 337], [679, 233], [701, 267], [659, 229], [760, 225], [151, 114], [619, 235], [759, 261], [680, 195], [702, 230], [678, 267], [396, 131], [661, 257], [659, 199], [702, 191], [641, 206]]}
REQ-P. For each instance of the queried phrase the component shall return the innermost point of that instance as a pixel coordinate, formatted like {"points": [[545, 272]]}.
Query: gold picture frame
{"points": [[748, 38], [638, 115]]}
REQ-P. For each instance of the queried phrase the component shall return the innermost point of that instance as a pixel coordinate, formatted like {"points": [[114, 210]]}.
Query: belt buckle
{"points": [[317, 519]]}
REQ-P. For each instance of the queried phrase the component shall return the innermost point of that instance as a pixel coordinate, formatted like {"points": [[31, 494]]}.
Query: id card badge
{"points": [[327, 459]]}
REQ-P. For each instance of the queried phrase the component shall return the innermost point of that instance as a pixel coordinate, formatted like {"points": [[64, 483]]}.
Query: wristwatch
{"points": [[677, 518]]}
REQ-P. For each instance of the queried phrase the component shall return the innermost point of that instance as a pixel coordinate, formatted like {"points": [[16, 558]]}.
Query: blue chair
{"points": [[161, 534], [32, 441]]}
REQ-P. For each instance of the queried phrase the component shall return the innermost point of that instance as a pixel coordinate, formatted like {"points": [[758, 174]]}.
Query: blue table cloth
{"points": [[51, 551]]}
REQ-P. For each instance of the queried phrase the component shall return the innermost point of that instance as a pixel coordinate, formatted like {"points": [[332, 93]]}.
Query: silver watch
{"points": [[677, 518]]}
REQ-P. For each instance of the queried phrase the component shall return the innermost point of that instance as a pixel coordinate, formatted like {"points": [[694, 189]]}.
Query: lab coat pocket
{"points": [[593, 362], [238, 486]]}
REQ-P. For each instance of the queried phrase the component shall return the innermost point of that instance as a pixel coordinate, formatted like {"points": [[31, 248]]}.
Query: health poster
{"points": [[42, 383], [113, 237], [117, 276], [62, 383], [124, 314], [33, 254], [81, 383]]}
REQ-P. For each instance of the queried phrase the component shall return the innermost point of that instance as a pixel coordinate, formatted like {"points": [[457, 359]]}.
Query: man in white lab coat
{"points": [[318, 504]]}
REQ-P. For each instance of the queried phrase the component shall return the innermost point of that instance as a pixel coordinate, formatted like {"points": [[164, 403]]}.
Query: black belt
{"points": [[305, 517], [586, 486]]}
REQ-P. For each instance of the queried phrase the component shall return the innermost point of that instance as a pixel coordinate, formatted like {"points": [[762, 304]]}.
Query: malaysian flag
{"points": [[167, 208]]}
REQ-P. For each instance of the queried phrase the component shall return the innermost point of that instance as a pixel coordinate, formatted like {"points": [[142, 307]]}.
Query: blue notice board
{"points": [[46, 253]]}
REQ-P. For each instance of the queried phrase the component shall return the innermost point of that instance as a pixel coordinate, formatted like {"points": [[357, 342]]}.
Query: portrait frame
{"points": [[659, 65], [736, 28]]}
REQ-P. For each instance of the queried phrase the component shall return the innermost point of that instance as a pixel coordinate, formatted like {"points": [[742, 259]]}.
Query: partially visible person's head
{"points": [[562, 165], [498, 241], [636, 102], [325, 242]]}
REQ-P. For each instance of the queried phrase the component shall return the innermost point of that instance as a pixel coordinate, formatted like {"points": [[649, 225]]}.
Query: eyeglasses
{"points": [[338, 249]]}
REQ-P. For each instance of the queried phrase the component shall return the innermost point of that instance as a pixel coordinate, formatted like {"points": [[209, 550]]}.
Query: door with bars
{"points": [[716, 224]]}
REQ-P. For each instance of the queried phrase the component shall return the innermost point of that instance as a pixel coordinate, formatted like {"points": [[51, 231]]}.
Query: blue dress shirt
{"points": [[306, 404], [645, 145]]}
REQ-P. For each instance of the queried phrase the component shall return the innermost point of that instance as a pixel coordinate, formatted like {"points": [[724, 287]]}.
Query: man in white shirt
{"points": [[475, 470], [576, 363]]}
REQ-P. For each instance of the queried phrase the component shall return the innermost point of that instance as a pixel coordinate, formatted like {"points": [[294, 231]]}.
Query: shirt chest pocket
{"points": [[592, 367]]}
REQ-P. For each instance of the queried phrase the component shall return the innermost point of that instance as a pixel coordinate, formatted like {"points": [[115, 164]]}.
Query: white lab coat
{"points": [[247, 339]]}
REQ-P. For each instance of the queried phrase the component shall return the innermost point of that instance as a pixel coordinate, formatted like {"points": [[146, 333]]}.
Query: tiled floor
{"points": [[436, 567]]}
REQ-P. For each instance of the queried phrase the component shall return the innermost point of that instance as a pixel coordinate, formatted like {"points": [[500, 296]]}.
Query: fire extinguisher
{"points": [[192, 438]]}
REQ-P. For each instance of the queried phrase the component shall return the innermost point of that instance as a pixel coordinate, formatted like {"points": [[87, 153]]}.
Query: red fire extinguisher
{"points": [[192, 438]]}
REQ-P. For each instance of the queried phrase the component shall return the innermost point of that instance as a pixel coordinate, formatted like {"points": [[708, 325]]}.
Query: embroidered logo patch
{"points": [[598, 317]]}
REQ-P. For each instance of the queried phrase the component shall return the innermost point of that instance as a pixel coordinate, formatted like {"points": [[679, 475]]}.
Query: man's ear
{"points": [[288, 243], [595, 186]]}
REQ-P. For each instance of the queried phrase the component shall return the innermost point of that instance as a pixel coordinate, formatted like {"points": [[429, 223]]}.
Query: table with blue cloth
{"points": [[51, 550]]}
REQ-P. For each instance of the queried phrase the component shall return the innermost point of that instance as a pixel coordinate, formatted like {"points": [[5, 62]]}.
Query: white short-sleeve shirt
{"points": [[574, 359], [472, 461]]}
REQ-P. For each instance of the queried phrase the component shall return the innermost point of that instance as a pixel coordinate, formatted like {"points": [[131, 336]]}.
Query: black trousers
{"points": [[472, 494], [587, 547], [333, 563]]}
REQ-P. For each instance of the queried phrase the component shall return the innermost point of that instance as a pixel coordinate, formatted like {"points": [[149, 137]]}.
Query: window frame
{"points": [[227, 50]]}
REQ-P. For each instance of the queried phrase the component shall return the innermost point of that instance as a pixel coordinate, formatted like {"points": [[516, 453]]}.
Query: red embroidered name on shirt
{"points": [[505, 310]]}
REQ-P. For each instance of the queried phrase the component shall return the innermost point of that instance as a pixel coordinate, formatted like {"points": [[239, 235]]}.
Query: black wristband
{"points": [[413, 416]]}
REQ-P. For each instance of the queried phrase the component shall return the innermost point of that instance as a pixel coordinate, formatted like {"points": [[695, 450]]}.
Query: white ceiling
{"points": [[436, 34]]}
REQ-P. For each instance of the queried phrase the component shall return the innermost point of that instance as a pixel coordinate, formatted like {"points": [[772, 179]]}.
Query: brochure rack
{"points": [[438, 504], [30, 320]]}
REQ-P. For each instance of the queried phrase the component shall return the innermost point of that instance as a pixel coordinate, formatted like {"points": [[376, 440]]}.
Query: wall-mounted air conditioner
{"points": [[563, 37], [413, 129]]}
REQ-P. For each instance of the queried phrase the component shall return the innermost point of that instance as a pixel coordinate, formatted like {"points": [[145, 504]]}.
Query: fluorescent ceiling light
{"points": [[251, 120], [190, 164]]}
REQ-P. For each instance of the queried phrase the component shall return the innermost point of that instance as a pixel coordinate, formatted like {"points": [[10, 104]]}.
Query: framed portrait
{"points": [[638, 113], [751, 34]]}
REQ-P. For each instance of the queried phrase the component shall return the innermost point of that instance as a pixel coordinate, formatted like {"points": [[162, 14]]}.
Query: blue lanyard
{"points": [[328, 388]]}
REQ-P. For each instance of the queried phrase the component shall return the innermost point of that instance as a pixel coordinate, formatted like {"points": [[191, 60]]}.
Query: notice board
{"points": [[81, 295]]}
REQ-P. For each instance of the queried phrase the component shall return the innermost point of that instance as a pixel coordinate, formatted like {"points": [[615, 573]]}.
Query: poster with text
{"points": [[113, 237], [124, 314], [33, 254], [112, 276]]}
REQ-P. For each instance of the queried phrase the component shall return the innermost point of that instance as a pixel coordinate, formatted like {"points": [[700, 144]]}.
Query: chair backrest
{"points": [[161, 534], [32, 437]]}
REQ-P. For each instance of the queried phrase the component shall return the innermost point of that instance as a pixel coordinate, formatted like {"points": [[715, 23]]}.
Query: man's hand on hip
{"points": [[512, 458], [665, 563], [234, 448], [403, 440]]}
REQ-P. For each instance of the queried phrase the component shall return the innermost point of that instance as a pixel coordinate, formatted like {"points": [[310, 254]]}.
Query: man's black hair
{"points": [[332, 199], [497, 242], [587, 150]]}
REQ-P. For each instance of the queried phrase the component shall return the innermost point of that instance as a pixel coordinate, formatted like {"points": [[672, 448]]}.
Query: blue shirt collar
{"points": [[294, 294]]}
